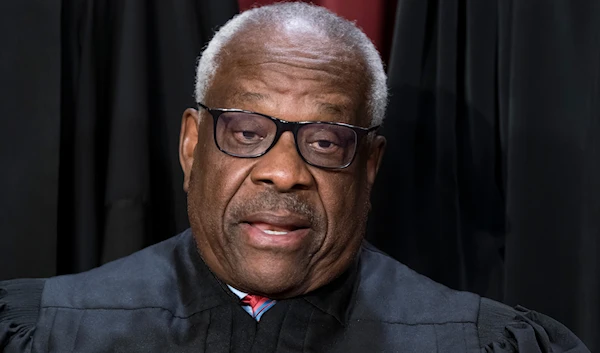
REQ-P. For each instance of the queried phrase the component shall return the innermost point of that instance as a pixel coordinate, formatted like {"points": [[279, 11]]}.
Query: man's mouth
{"points": [[278, 223], [280, 230], [272, 229]]}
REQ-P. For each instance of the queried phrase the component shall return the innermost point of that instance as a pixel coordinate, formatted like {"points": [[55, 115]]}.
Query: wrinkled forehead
{"points": [[293, 41], [291, 55]]}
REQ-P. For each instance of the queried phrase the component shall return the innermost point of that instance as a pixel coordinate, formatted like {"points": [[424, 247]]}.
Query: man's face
{"points": [[274, 225]]}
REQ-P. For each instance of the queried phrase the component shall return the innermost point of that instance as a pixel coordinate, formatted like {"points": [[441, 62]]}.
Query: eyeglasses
{"points": [[247, 134]]}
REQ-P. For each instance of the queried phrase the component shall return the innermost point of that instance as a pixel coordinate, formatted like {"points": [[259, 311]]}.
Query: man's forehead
{"points": [[279, 54], [338, 108], [261, 69]]}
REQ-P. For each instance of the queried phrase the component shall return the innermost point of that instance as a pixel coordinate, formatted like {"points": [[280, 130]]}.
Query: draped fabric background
{"points": [[491, 179], [128, 75], [490, 182]]}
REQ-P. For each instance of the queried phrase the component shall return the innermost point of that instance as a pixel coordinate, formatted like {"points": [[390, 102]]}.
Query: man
{"points": [[279, 160]]}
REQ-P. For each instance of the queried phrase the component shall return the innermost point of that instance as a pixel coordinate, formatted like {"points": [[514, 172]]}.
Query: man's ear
{"points": [[375, 156], [188, 138]]}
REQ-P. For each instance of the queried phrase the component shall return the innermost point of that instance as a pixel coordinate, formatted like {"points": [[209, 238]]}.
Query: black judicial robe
{"points": [[165, 299]]}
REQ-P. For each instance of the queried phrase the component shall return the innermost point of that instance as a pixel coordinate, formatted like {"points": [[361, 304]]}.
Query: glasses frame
{"points": [[283, 126]]}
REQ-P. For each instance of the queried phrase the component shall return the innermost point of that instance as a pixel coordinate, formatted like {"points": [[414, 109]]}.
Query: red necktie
{"points": [[258, 304]]}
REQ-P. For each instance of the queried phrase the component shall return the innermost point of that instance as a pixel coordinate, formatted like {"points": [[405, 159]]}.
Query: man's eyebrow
{"points": [[244, 97], [330, 108]]}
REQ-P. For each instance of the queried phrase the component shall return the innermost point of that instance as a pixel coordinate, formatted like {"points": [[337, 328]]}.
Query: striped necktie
{"points": [[259, 305]]}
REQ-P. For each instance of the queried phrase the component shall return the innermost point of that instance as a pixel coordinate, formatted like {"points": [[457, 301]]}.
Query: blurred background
{"points": [[490, 182]]}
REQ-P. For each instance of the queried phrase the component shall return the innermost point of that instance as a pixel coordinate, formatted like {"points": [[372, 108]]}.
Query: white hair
{"points": [[314, 17]]}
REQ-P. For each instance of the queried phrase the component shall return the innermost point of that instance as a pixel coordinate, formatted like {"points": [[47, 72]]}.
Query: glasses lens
{"points": [[327, 145], [244, 134]]}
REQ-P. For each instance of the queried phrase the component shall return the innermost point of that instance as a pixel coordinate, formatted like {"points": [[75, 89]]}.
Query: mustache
{"points": [[269, 201]]}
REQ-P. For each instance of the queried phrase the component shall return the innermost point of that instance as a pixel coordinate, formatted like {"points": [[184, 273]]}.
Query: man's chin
{"points": [[274, 282]]}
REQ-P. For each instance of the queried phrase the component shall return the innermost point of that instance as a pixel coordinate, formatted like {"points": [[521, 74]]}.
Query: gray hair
{"points": [[303, 14]]}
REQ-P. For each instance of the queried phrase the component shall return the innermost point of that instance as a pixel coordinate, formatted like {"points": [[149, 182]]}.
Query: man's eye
{"points": [[324, 143], [247, 136], [324, 146]]}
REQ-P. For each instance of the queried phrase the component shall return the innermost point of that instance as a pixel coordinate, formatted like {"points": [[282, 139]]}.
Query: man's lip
{"points": [[259, 239], [278, 221]]}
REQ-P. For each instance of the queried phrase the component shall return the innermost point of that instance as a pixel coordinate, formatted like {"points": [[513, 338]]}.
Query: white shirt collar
{"points": [[237, 292]]}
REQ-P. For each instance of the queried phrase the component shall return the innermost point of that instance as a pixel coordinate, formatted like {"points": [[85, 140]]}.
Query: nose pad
{"points": [[283, 167]]}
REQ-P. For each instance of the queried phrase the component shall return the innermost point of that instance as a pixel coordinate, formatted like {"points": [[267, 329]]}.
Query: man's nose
{"points": [[282, 167]]}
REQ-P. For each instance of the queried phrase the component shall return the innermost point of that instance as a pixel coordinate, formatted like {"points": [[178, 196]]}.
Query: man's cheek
{"points": [[341, 204]]}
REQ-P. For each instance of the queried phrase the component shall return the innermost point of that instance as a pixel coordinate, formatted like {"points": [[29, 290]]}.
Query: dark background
{"points": [[491, 179]]}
